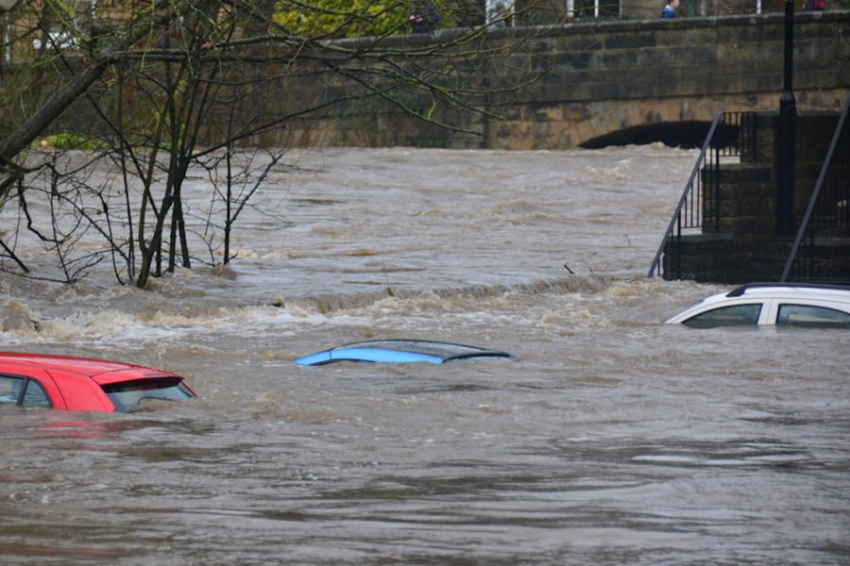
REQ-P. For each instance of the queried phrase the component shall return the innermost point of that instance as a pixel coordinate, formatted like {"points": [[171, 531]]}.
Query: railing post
{"points": [[678, 271], [717, 185], [684, 202], [805, 230], [787, 134]]}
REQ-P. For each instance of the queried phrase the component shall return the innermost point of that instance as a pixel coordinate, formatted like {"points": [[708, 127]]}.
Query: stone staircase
{"points": [[738, 244]]}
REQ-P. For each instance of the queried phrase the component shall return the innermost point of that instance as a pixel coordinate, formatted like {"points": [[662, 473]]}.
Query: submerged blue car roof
{"points": [[398, 351]]}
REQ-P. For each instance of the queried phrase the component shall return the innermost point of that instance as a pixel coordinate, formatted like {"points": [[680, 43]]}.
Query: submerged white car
{"points": [[781, 304]]}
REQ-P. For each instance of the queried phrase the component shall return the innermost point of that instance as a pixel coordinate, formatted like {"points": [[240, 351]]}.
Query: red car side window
{"points": [[10, 389], [35, 395]]}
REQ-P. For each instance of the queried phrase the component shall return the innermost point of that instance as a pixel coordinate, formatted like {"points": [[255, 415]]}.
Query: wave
{"points": [[159, 320], [329, 303]]}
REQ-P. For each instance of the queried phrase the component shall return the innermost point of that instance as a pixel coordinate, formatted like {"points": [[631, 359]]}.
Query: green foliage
{"points": [[843, 4], [67, 140], [342, 18]]}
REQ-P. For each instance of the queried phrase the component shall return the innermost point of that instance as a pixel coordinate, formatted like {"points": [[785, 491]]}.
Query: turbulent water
{"points": [[610, 439]]}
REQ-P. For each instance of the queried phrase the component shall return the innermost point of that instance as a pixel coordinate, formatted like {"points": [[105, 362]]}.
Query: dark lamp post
{"points": [[787, 134]]}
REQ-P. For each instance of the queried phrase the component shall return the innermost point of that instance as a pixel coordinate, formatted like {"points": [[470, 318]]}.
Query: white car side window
{"points": [[736, 315], [808, 315]]}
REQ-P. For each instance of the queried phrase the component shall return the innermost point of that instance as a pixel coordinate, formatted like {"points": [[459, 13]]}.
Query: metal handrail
{"points": [[655, 268], [697, 205], [813, 199]]}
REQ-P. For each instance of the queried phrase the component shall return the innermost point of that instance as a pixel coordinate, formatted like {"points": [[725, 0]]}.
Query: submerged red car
{"points": [[83, 384]]}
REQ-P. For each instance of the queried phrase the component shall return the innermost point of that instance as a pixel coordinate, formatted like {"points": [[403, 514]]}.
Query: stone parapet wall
{"points": [[611, 76], [597, 79]]}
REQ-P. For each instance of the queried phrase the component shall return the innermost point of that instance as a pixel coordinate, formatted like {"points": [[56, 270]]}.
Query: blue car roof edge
{"points": [[323, 357], [374, 351], [440, 342], [378, 354], [484, 354], [343, 354]]}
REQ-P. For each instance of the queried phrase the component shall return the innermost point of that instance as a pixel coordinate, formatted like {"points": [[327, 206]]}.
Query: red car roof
{"points": [[101, 371], [81, 384]]}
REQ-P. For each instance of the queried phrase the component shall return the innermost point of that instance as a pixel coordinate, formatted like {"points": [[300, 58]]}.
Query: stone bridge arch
{"points": [[637, 76]]}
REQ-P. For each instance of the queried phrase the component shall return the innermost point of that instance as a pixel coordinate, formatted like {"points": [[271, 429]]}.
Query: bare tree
{"points": [[176, 84]]}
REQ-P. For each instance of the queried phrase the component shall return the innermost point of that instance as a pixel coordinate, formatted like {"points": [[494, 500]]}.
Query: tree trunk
{"points": [[58, 103], [127, 35]]}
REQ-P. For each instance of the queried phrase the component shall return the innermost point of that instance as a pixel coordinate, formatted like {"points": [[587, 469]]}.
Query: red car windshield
{"points": [[128, 394]]}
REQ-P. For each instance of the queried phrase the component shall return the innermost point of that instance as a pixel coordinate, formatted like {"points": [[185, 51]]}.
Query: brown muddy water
{"points": [[611, 439]]}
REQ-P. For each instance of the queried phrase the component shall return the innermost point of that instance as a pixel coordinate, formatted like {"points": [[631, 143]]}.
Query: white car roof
{"points": [[825, 293], [792, 290]]}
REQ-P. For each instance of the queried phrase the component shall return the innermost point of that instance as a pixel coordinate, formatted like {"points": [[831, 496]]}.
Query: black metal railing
{"points": [[828, 210], [732, 134]]}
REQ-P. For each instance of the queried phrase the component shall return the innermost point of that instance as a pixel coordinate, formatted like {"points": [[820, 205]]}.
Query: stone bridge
{"points": [[624, 81], [648, 80]]}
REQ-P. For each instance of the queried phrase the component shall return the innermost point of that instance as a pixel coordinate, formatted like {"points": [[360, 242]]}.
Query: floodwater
{"points": [[610, 439]]}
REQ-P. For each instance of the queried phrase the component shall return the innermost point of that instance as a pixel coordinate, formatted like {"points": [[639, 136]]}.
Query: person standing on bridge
{"points": [[500, 17], [816, 5], [424, 17], [669, 11]]}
